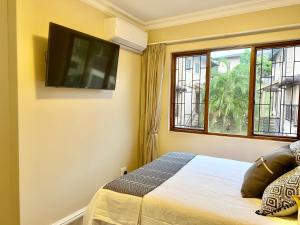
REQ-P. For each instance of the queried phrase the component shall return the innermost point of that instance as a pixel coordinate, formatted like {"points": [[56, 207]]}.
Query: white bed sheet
{"points": [[113, 208], [204, 192]]}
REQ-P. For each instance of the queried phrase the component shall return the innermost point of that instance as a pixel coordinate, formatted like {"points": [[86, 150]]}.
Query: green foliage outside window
{"points": [[229, 93]]}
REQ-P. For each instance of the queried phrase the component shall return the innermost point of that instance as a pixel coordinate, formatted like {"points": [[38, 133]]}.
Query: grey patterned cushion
{"points": [[295, 149], [277, 198]]}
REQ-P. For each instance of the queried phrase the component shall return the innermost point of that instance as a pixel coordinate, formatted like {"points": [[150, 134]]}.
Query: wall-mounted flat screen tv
{"points": [[78, 60]]}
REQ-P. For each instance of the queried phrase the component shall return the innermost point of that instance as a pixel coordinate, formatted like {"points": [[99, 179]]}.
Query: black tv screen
{"points": [[78, 60]]}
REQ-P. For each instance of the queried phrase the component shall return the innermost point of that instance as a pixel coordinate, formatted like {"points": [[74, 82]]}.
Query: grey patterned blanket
{"points": [[147, 178]]}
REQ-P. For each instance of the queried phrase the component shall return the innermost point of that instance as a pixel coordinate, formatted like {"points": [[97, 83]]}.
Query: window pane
{"points": [[229, 91], [297, 53], [277, 92], [190, 91]]}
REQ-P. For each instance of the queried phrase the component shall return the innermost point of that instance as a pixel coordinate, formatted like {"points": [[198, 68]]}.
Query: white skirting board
{"points": [[71, 218]]}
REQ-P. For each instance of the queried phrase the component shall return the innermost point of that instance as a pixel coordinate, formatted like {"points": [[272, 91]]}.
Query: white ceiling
{"points": [[147, 10], [153, 14]]}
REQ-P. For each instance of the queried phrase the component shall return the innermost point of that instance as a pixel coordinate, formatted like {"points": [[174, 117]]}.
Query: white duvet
{"points": [[204, 192]]}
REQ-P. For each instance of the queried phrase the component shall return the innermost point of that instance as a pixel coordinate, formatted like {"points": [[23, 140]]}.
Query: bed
{"points": [[201, 191]]}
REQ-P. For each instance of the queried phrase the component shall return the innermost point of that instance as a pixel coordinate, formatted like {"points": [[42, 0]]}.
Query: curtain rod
{"points": [[230, 35]]}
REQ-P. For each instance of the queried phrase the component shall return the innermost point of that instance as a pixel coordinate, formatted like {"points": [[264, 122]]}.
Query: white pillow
{"points": [[295, 149], [277, 199]]}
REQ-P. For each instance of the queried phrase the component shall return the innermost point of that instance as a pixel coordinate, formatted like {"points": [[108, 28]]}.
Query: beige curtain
{"points": [[153, 62]]}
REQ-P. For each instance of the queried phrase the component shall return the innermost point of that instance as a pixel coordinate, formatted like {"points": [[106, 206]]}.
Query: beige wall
{"points": [[9, 209], [245, 22], [227, 147], [72, 141]]}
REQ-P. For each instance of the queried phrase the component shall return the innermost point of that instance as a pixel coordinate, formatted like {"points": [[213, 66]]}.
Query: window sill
{"points": [[259, 137]]}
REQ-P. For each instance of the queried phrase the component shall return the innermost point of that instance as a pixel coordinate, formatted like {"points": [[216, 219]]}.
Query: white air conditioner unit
{"points": [[125, 34]]}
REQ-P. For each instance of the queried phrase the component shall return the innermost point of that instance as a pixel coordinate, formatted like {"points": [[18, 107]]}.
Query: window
{"points": [[277, 91], [247, 92], [229, 91], [190, 81]]}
